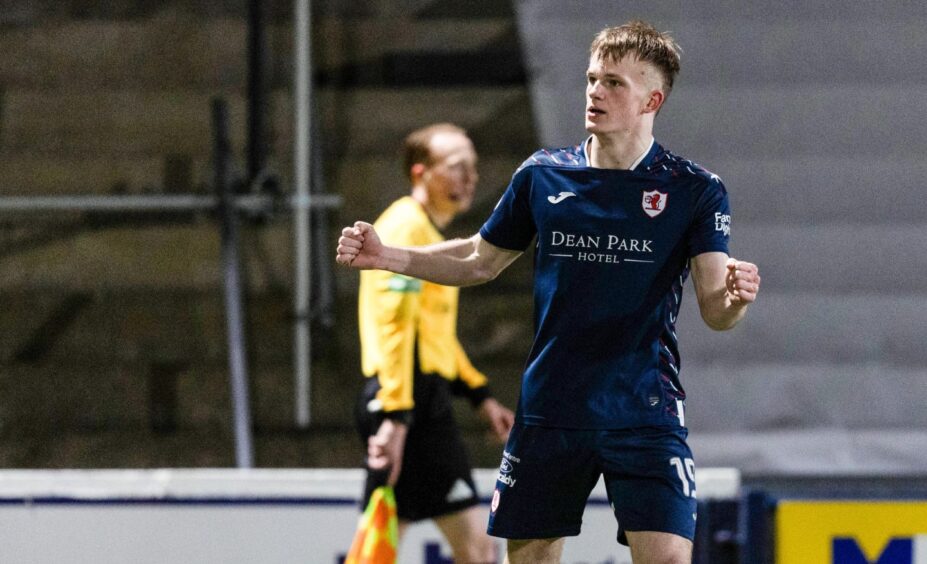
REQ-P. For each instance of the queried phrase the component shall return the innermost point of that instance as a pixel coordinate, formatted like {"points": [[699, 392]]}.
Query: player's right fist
{"points": [[359, 246]]}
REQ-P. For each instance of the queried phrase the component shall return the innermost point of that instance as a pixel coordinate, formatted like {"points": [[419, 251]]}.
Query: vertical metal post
{"points": [[257, 83], [302, 356], [228, 221], [323, 297]]}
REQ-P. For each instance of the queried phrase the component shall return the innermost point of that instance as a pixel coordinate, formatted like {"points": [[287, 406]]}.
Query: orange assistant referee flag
{"points": [[377, 536]]}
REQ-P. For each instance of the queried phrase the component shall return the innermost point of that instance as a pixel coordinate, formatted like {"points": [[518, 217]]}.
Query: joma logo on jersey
{"points": [[898, 550], [560, 197], [654, 202]]}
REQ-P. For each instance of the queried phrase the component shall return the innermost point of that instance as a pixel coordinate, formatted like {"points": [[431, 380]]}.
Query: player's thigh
{"points": [[534, 551], [650, 479], [465, 531], [651, 547], [544, 480]]}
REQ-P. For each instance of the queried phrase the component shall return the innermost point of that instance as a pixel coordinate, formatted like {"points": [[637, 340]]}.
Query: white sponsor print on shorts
{"points": [[507, 480], [506, 467], [495, 501]]}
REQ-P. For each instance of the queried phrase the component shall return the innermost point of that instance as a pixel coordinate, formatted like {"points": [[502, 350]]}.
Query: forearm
{"points": [[720, 312], [451, 263], [724, 287]]}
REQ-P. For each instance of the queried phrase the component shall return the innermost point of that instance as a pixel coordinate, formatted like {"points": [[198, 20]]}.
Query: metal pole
{"points": [[228, 217], [323, 298], [158, 202], [301, 224], [256, 89]]}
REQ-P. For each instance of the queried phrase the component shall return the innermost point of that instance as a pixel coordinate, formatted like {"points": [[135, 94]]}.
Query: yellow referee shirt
{"points": [[397, 312]]}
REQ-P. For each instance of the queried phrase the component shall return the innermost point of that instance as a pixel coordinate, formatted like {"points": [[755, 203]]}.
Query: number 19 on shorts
{"points": [[685, 469]]}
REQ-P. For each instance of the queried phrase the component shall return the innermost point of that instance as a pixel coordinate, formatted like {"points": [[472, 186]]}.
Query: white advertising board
{"points": [[232, 516]]}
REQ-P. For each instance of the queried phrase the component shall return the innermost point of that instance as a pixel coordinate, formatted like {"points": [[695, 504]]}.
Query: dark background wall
{"points": [[112, 330]]}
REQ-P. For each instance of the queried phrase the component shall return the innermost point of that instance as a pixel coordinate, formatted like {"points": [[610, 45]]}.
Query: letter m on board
{"points": [[897, 551]]}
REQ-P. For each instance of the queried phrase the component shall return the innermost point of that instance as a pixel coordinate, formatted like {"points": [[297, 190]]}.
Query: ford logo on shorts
{"points": [[505, 467]]}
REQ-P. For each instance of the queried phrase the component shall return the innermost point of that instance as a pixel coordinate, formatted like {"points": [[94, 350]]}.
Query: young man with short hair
{"points": [[619, 224]]}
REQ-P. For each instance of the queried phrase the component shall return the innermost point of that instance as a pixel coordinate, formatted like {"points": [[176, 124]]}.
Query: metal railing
{"points": [[229, 203], [228, 207]]}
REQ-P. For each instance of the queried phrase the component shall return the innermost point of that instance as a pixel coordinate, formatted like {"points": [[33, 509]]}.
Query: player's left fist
{"points": [[742, 281]]}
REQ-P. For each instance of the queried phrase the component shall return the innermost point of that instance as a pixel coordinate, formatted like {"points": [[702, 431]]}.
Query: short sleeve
{"points": [[511, 225], [711, 227]]}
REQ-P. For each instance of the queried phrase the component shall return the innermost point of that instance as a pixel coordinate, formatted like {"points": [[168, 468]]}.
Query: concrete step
{"points": [[24, 315], [169, 50], [801, 190], [41, 11], [141, 326], [149, 123], [188, 396], [824, 12], [339, 41], [102, 416], [837, 258], [811, 327], [374, 121], [831, 52], [121, 447], [178, 50], [29, 174], [794, 120], [81, 122], [833, 49], [791, 394], [129, 447], [172, 256], [817, 462]]}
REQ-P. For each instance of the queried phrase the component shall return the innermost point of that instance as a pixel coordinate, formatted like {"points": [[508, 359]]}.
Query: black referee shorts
{"points": [[436, 477]]}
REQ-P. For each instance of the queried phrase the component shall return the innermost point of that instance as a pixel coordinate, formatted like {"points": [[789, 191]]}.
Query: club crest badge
{"points": [[654, 202]]}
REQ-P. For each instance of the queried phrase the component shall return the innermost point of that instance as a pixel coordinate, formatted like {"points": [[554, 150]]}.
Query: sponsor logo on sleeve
{"points": [[723, 223]]}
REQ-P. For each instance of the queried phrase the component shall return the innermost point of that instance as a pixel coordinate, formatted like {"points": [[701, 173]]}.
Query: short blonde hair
{"points": [[642, 40]]}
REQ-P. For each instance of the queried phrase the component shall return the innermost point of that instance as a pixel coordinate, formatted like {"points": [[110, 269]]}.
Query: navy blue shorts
{"points": [[547, 474]]}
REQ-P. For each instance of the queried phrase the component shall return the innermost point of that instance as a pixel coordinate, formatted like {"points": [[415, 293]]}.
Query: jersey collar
{"points": [[645, 158]]}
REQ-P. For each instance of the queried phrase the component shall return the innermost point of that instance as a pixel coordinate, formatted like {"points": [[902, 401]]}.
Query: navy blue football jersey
{"points": [[612, 253]]}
